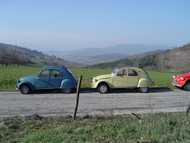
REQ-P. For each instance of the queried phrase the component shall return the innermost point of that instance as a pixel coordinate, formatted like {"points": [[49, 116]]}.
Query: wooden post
{"points": [[77, 97], [188, 109]]}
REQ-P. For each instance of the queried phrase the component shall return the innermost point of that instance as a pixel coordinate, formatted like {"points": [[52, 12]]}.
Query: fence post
{"points": [[187, 110], [77, 97]]}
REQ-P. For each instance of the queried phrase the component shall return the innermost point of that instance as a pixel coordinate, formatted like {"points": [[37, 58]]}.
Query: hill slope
{"points": [[11, 54], [177, 58]]}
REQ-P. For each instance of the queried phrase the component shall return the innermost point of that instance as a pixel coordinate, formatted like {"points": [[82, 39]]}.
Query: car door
{"points": [[56, 78], [119, 80], [42, 81], [131, 78]]}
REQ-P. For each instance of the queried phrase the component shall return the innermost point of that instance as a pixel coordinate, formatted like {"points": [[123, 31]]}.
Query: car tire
{"points": [[25, 89], [103, 88], [187, 86], [144, 89], [69, 90]]}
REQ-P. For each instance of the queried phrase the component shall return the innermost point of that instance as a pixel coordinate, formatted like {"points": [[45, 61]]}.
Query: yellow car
{"points": [[126, 77]]}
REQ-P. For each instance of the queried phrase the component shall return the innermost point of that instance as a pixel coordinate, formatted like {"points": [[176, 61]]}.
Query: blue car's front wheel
{"points": [[25, 89]]}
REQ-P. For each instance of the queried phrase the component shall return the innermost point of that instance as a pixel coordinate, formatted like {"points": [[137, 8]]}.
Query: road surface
{"points": [[93, 103]]}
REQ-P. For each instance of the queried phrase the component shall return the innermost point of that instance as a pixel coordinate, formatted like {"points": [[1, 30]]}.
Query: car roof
{"points": [[135, 68], [55, 67]]}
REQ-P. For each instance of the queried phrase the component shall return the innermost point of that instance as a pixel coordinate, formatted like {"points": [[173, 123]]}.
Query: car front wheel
{"points": [[144, 89], [187, 86], [25, 89], [103, 88]]}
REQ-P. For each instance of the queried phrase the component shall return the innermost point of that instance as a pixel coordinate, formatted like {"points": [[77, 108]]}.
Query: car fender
{"points": [[32, 87], [101, 81], [143, 83], [67, 83]]}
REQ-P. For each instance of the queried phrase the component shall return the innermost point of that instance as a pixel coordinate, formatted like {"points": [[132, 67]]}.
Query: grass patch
{"points": [[153, 128], [88, 74], [161, 79], [9, 75]]}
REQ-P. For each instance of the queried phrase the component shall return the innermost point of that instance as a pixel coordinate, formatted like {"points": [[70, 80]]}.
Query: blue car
{"points": [[50, 78]]}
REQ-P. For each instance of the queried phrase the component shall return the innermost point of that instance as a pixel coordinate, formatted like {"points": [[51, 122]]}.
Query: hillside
{"points": [[11, 54], [177, 58]]}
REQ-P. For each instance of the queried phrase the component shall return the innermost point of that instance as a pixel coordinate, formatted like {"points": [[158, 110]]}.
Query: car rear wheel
{"points": [[25, 89], [103, 88], [144, 89], [187, 86]]}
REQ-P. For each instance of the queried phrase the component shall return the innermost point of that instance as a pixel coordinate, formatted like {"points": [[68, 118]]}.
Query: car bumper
{"points": [[17, 88], [175, 83], [93, 85]]}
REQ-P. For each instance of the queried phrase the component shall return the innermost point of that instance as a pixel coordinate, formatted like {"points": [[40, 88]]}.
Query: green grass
{"points": [[88, 74], [153, 128], [161, 79], [9, 75]]}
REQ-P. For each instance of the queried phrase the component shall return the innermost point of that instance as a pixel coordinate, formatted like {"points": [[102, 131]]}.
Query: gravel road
{"points": [[93, 103]]}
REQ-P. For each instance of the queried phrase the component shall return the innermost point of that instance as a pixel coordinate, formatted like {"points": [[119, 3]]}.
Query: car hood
{"points": [[186, 75], [105, 76], [31, 77]]}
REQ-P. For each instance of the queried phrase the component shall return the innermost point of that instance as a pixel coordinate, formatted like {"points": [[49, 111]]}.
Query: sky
{"points": [[74, 24]]}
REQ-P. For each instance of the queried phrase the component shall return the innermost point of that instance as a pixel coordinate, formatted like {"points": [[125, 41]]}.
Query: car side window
{"points": [[44, 73], [132, 72], [56, 74], [125, 72], [122, 72]]}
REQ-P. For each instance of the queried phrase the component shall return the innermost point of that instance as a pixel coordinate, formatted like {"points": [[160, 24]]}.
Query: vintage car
{"points": [[127, 77], [50, 78], [182, 81]]}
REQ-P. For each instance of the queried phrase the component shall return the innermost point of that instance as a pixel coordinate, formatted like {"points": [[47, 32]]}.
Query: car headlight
{"points": [[94, 80], [182, 78], [19, 80]]}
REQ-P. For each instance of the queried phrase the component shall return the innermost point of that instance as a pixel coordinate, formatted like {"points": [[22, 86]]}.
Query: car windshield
{"points": [[120, 71], [44, 73], [115, 71]]}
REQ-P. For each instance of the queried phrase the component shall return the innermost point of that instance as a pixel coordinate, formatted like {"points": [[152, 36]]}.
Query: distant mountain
{"points": [[177, 58], [90, 56], [11, 54]]}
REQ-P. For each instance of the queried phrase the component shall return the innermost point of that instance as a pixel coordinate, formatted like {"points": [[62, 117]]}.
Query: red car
{"points": [[182, 81]]}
